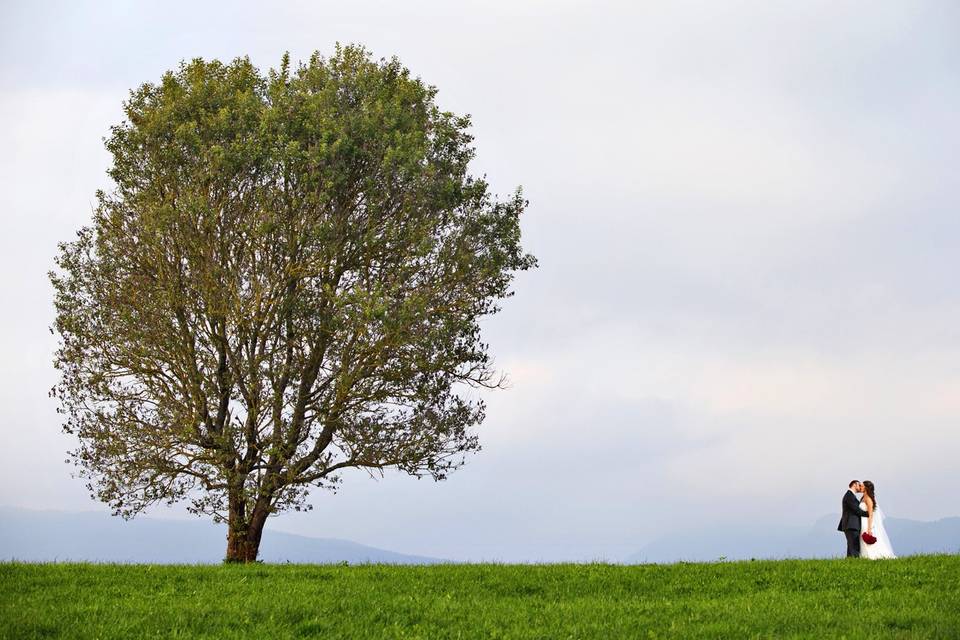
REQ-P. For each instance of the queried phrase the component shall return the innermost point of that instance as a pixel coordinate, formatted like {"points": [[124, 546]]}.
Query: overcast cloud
{"points": [[745, 215]]}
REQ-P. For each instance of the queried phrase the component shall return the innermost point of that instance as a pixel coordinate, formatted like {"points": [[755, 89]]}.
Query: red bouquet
{"points": [[868, 538]]}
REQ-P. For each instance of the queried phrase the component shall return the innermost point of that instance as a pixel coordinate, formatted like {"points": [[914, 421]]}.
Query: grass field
{"points": [[906, 598]]}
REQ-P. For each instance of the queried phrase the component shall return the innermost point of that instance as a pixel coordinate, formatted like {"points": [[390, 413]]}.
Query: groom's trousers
{"points": [[853, 543]]}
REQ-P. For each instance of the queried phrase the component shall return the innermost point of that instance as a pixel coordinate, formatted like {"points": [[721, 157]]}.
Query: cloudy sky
{"points": [[745, 215]]}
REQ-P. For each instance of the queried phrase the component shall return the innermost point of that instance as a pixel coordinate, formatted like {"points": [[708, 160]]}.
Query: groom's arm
{"points": [[854, 505]]}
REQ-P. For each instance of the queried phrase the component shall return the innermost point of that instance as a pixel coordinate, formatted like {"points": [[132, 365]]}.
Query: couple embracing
{"points": [[862, 522]]}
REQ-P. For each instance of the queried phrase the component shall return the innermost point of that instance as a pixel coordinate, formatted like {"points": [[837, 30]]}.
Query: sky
{"points": [[745, 216]]}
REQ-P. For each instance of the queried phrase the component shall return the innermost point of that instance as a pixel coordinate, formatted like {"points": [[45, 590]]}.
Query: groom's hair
{"points": [[852, 482]]}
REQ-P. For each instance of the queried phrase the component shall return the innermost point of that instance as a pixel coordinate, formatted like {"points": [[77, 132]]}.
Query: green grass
{"points": [[906, 598]]}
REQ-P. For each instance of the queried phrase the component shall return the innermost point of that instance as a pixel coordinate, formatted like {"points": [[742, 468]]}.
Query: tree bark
{"points": [[243, 533]]}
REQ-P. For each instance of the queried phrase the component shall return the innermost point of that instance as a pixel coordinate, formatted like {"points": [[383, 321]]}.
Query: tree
{"points": [[285, 282]]}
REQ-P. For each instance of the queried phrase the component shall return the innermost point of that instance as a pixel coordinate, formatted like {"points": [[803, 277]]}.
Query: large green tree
{"points": [[285, 282]]}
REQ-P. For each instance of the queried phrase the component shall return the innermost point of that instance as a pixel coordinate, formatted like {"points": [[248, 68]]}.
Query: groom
{"points": [[850, 518]]}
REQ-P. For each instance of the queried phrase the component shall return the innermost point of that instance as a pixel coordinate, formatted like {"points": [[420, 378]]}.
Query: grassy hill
{"points": [[915, 597]]}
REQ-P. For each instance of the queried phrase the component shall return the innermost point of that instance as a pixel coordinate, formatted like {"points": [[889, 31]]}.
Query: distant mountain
{"points": [[31, 535], [908, 537]]}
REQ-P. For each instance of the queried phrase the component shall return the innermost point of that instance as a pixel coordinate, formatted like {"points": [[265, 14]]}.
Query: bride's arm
{"points": [[869, 515]]}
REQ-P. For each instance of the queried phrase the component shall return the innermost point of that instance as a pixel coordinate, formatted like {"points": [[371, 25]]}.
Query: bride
{"points": [[873, 524]]}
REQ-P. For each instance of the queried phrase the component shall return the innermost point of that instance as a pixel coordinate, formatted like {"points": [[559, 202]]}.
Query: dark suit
{"points": [[850, 523]]}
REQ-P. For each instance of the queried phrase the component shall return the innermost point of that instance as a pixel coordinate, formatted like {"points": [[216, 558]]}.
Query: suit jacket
{"points": [[851, 513]]}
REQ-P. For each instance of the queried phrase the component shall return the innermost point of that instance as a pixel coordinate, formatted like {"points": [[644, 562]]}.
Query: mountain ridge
{"points": [[53, 535], [822, 540]]}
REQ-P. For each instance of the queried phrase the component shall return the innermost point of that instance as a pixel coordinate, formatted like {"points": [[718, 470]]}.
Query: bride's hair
{"points": [[868, 486]]}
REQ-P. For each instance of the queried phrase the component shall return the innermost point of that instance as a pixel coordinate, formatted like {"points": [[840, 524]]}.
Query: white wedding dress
{"points": [[881, 548]]}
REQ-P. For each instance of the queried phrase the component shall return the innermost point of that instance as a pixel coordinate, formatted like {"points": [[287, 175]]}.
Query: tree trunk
{"points": [[243, 534], [240, 548]]}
